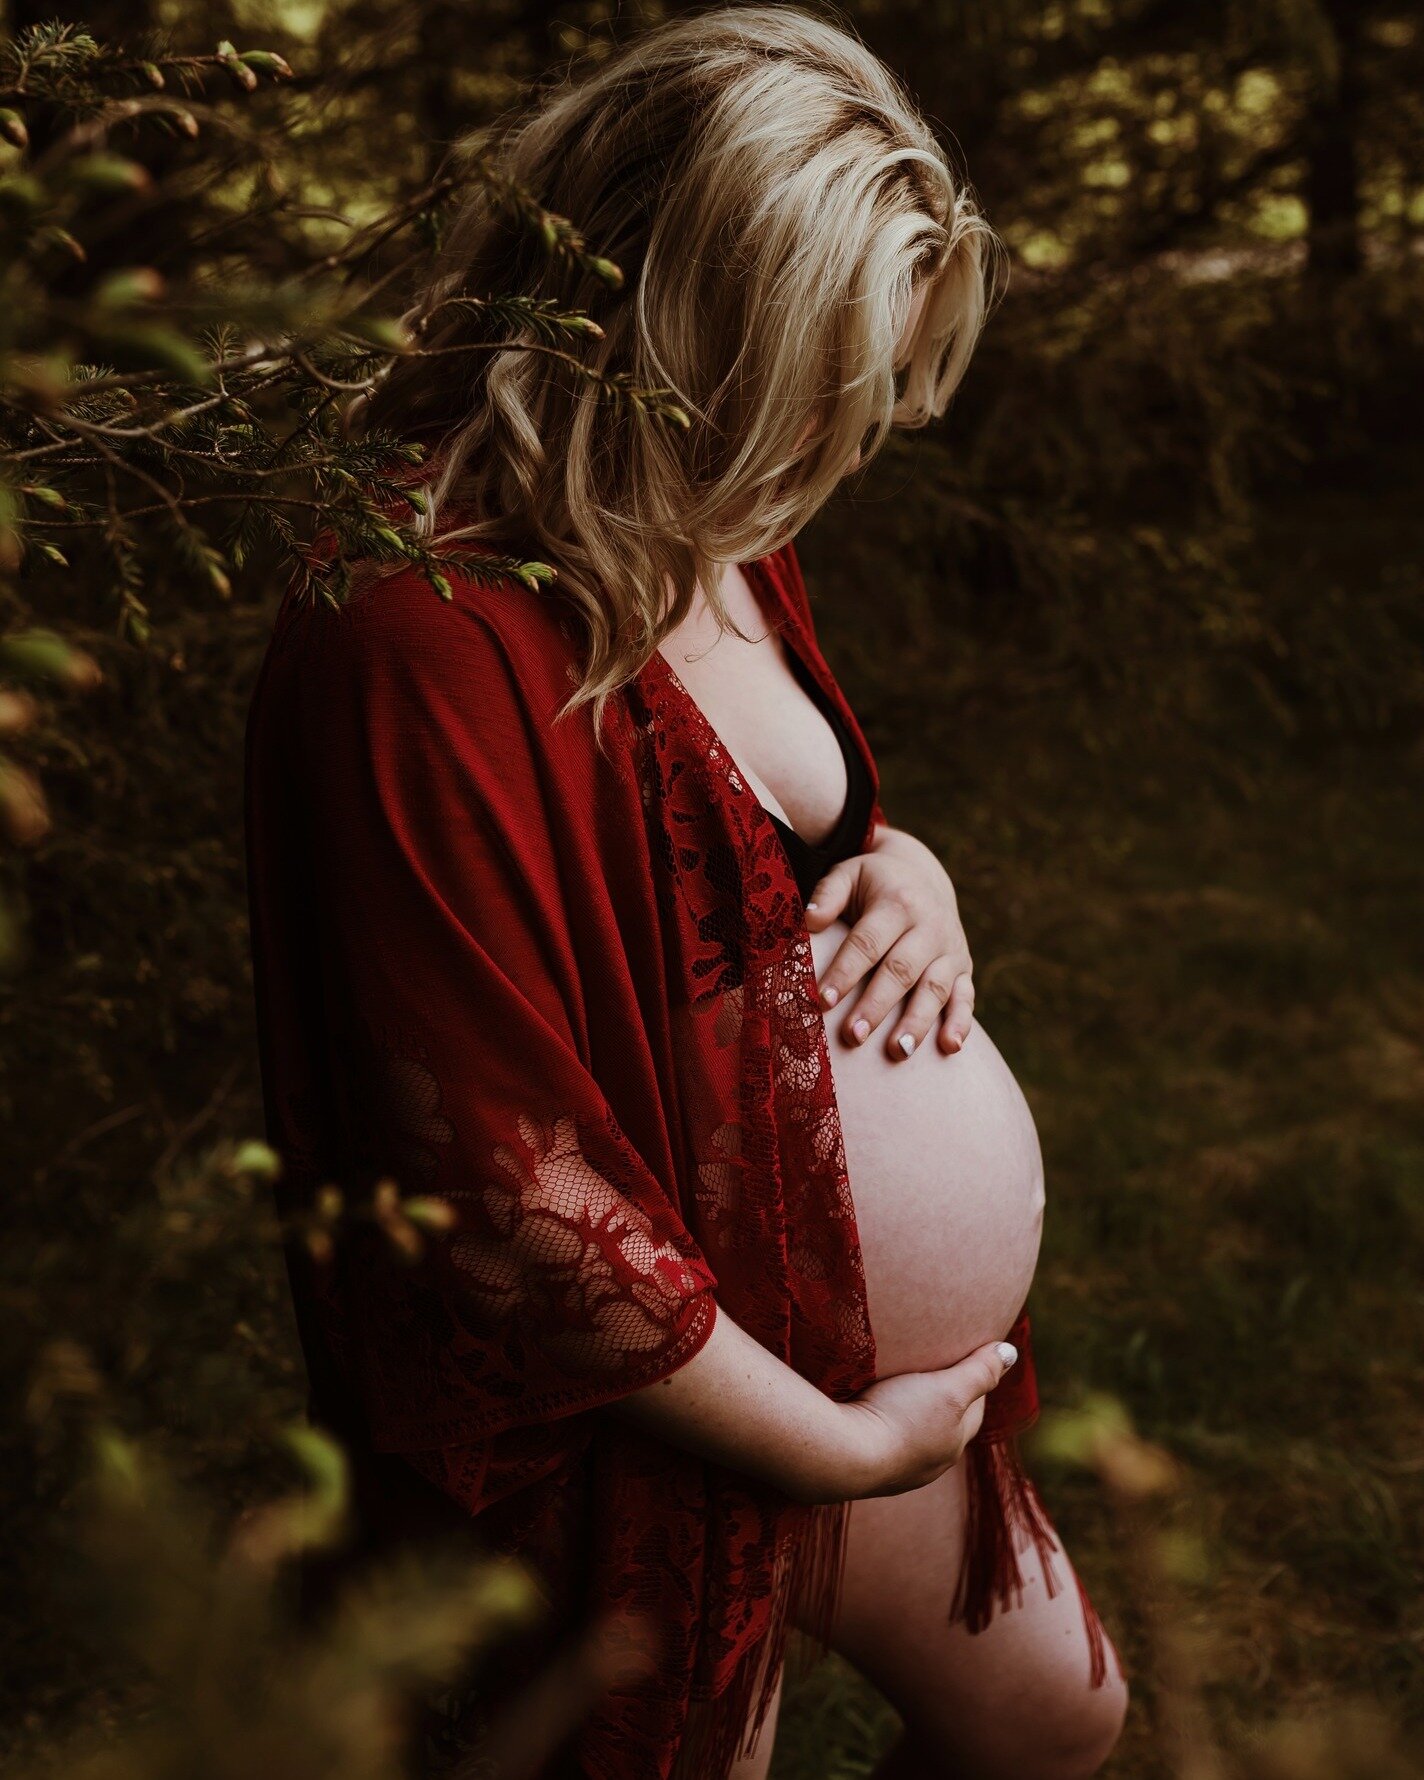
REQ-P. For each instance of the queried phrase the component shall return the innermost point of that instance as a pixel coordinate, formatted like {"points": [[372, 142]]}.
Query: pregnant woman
{"points": [[689, 1214]]}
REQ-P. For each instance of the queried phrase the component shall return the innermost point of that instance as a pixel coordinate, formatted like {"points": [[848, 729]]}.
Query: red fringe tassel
{"points": [[807, 1591], [1003, 1502]]}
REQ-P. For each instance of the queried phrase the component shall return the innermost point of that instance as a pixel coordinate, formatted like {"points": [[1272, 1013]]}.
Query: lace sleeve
{"points": [[466, 1007]]}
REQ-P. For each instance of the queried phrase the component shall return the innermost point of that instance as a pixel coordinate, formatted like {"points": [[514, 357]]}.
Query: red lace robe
{"points": [[572, 996]]}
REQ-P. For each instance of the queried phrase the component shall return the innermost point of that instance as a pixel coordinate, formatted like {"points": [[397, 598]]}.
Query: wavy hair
{"points": [[774, 201]]}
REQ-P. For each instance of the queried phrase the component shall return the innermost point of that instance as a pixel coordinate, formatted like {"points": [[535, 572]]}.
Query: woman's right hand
{"points": [[905, 1431], [736, 1403]]}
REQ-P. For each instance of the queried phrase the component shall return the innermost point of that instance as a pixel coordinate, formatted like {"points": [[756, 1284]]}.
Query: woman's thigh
{"points": [[1012, 1701]]}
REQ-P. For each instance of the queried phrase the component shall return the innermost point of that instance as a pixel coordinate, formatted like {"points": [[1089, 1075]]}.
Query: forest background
{"points": [[1137, 634]]}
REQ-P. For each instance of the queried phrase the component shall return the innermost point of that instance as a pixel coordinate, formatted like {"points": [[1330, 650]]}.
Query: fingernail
{"points": [[830, 996], [860, 1028], [1008, 1353], [906, 1042], [811, 908]]}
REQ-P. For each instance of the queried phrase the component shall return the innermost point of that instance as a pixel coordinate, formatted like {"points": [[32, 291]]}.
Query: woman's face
{"points": [[902, 348]]}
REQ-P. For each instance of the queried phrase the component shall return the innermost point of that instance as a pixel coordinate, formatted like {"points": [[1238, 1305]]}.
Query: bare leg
{"points": [[1012, 1702]]}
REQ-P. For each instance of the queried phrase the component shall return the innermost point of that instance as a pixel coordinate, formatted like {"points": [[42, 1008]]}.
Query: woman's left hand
{"points": [[904, 923]]}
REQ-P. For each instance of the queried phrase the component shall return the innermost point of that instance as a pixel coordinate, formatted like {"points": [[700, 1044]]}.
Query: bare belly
{"points": [[947, 1177]]}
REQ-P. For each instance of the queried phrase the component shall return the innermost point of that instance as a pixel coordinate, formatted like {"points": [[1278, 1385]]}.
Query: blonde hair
{"points": [[774, 200]]}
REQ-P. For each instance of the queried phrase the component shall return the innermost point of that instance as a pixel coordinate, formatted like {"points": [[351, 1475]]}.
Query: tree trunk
{"points": [[1334, 247]]}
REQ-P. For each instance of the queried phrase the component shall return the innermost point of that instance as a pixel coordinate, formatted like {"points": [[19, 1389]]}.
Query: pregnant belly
{"points": [[947, 1179]]}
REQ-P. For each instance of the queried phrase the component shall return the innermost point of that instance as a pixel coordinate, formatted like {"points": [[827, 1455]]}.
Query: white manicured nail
{"points": [[1008, 1353], [906, 1042]]}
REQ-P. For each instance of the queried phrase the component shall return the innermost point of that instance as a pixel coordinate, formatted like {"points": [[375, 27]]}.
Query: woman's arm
{"points": [[736, 1403]]}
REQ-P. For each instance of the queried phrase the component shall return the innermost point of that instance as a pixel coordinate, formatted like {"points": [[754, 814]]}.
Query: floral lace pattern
{"points": [[565, 1252]]}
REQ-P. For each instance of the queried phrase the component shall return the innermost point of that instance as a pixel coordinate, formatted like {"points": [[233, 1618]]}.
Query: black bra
{"points": [[810, 864]]}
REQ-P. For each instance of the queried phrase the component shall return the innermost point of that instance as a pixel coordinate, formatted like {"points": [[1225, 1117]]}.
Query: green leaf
{"points": [[42, 378], [47, 497], [21, 192], [258, 1159], [52, 235], [322, 1458], [164, 349], [133, 284], [45, 655], [611, 274], [381, 330], [119, 1464], [430, 1213], [39, 655], [266, 62], [12, 543], [107, 173], [236, 67]]}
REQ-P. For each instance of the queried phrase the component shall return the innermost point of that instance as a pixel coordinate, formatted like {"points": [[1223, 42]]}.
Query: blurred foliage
{"points": [[223, 1672], [1151, 1500], [189, 408], [1147, 666]]}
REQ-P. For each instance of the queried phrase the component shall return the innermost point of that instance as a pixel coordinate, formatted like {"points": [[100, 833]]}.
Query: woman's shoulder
{"points": [[490, 637]]}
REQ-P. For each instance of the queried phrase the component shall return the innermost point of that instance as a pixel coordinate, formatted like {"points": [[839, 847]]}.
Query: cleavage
{"points": [[778, 736]]}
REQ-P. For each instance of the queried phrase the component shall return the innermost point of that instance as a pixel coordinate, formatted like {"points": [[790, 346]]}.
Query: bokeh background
{"points": [[1137, 633]]}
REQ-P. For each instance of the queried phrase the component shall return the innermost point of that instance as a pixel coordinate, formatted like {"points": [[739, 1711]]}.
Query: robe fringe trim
{"points": [[807, 1596], [1003, 1511]]}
